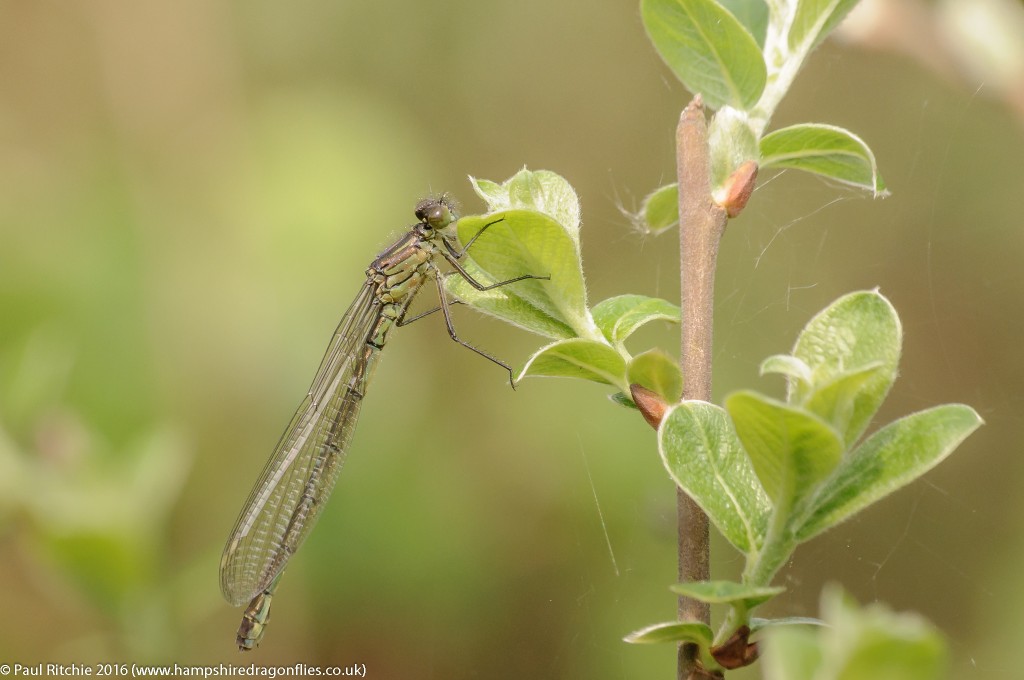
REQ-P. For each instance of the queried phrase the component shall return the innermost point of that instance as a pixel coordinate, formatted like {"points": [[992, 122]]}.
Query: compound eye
{"points": [[425, 209], [434, 213], [437, 215], [440, 215]]}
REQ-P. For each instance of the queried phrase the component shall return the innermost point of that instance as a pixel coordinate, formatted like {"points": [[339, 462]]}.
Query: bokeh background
{"points": [[190, 192]]}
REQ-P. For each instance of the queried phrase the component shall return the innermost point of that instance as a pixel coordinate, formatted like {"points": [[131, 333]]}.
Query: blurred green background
{"points": [[189, 195]]}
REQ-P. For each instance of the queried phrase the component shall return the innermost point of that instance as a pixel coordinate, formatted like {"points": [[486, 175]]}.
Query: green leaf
{"points": [[578, 358], [620, 398], [792, 450], [815, 19], [619, 317], [534, 229], [836, 402], [732, 140], [891, 458], [526, 242], [789, 366], [540, 190], [494, 194], [659, 210], [858, 333], [703, 456], [673, 631], [753, 16], [727, 592], [825, 150], [869, 643], [875, 642], [658, 372], [707, 49], [505, 305], [757, 624]]}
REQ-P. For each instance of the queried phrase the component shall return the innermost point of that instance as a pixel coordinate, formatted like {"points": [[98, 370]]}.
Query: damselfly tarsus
{"points": [[298, 478]]}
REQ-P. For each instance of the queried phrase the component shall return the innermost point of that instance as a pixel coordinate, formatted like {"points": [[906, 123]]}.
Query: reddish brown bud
{"points": [[651, 405], [737, 189], [737, 651]]}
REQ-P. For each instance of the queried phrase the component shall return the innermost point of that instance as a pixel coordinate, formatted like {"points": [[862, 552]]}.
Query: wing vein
{"points": [[285, 502]]}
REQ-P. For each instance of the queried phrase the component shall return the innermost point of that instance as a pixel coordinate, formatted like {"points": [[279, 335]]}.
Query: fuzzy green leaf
{"points": [[732, 140], [703, 456], [707, 49], [859, 333], [658, 372], [727, 592], [825, 150], [533, 229], [619, 317], [494, 194], [753, 16], [659, 210], [787, 365], [815, 19], [578, 358], [836, 401], [673, 631], [540, 190], [525, 242], [507, 306], [891, 458], [623, 399], [792, 450]]}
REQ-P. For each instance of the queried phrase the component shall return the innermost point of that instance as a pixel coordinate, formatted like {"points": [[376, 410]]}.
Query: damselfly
{"points": [[298, 478]]}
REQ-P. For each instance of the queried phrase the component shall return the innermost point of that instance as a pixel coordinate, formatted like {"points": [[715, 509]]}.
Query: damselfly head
{"points": [[436, 213]]}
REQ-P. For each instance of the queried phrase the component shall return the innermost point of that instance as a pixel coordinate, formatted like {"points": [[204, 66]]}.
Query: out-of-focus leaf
{"points": [[623, 399], [795, 654], [727, 592], [753, 16], [868, 643], [673, 631], [815, 19], [757, 624]]}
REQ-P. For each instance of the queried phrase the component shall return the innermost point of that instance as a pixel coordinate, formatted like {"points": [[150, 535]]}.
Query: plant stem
{"points": [[701, 225]]}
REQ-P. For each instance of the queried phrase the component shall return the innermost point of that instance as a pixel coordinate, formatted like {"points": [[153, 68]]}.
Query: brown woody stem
{"points": [[701, 225]]}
